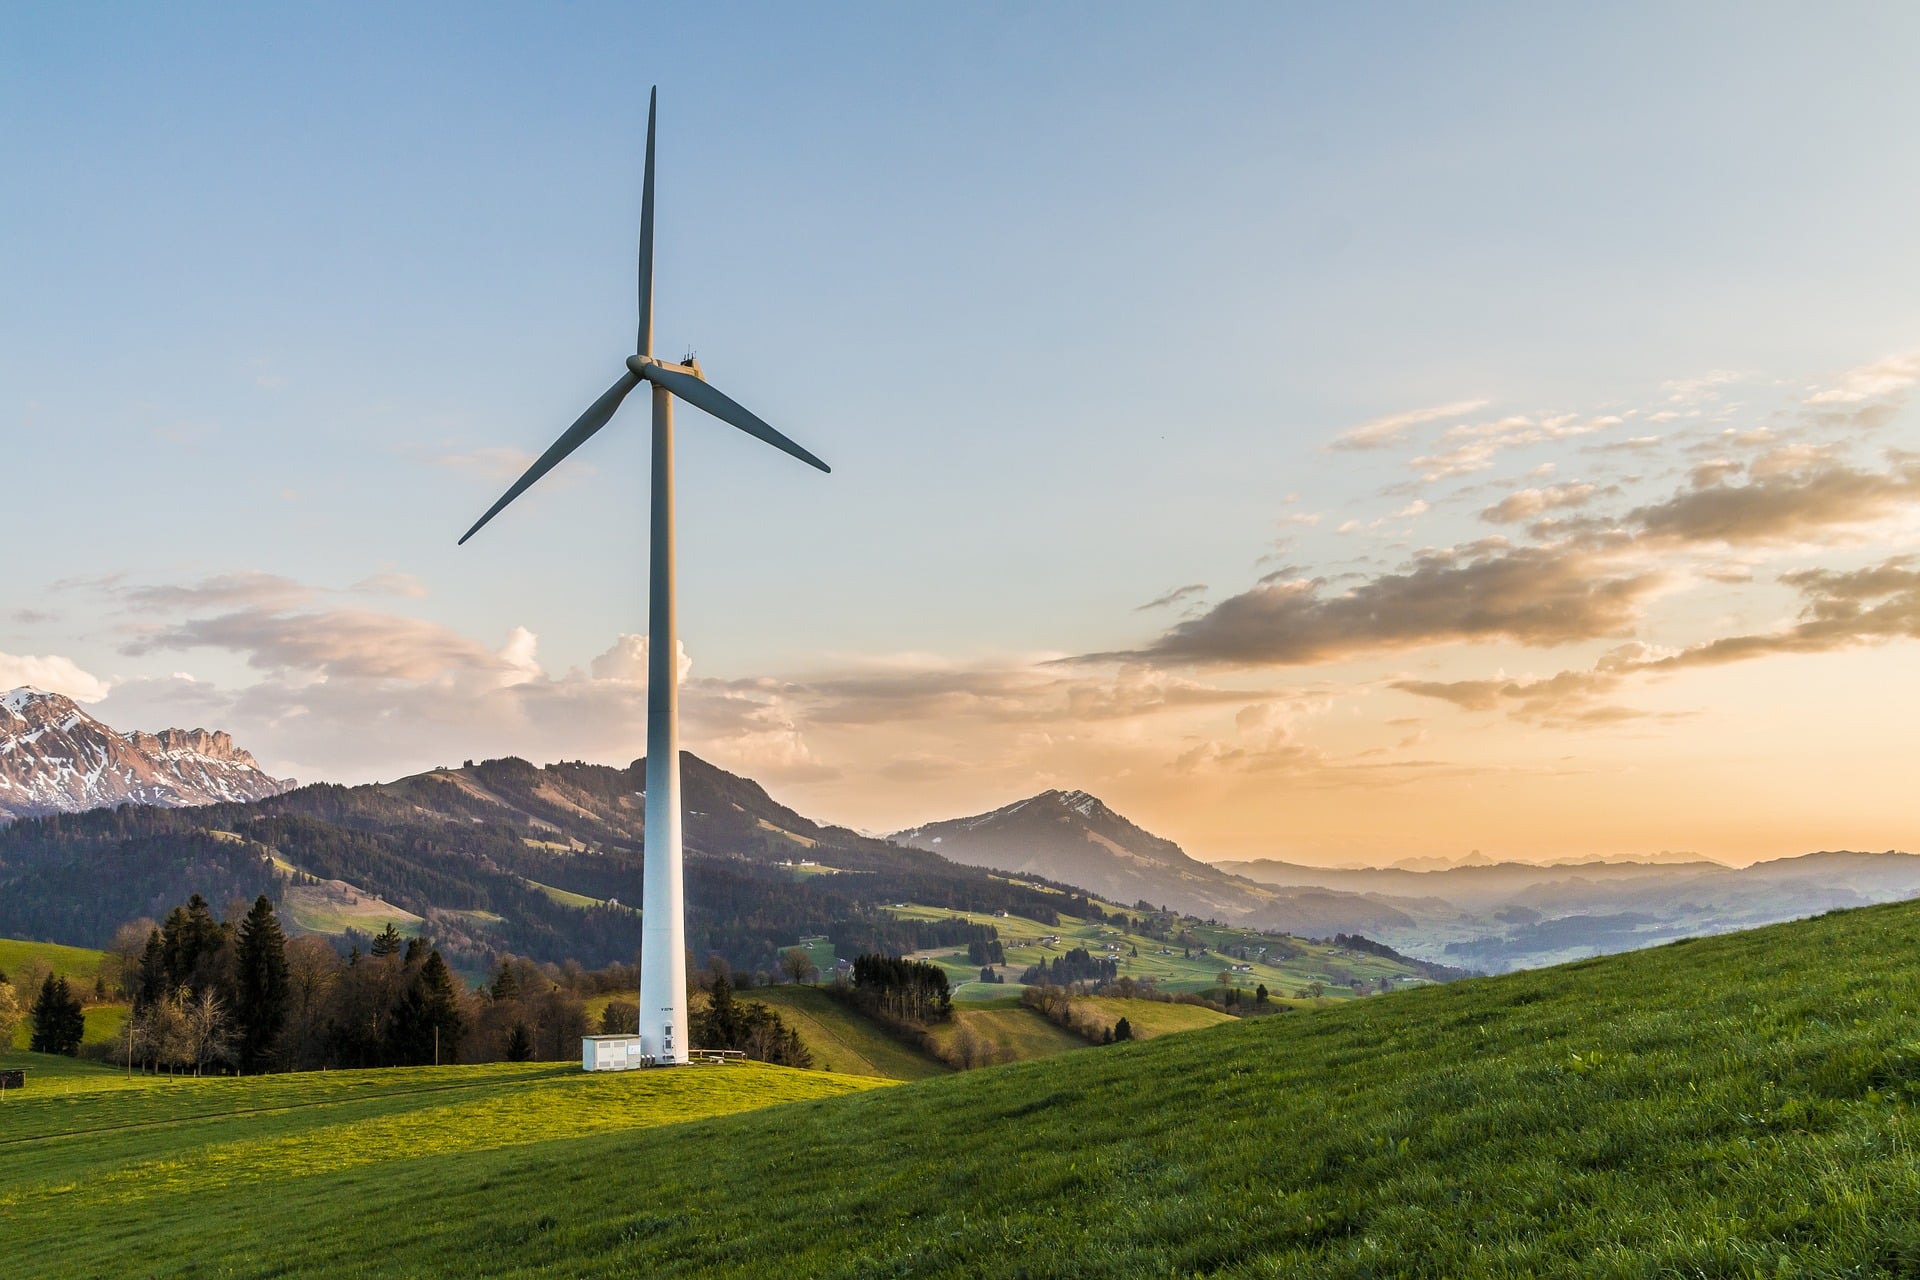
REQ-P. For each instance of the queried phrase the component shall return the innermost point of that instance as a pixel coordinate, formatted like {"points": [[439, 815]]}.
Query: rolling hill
{"points": [[1739, 1105]]}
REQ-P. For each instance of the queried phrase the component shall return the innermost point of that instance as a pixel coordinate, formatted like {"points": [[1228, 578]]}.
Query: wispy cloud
{"points": [[1393, 429], [1173, 597]]}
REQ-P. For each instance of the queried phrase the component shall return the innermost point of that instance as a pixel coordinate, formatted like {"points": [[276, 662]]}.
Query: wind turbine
{"points": [[663, 965]]}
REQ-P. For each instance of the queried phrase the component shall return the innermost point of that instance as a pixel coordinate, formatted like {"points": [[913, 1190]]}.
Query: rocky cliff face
{"points": [[55, 758]]}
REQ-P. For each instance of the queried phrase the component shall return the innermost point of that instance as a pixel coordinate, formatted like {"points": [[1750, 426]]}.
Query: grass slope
{"points": [[1741, 1105], [1018, 1034], [108, 1175], [69, 962], [1150, 1018], [843, 1039]]}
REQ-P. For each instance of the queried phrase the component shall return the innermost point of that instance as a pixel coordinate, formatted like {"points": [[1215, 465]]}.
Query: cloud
{"points": [[351, 644], [1570, 699], [1173, 597], [1485, 591], [1841, 609], [626, 661], [1008, 695], [252, 590], [1382, 433], [1882, 380], [51, 673], [1475, 445], [1530, 503], [1697, 390], [1783, 506]]}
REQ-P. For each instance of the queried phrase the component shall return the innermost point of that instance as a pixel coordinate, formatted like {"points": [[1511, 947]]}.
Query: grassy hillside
{"points": [[70, 962], [79, 965], [1014, 1034], [1741, 1105], [1150, 1018], [843, 1039]]}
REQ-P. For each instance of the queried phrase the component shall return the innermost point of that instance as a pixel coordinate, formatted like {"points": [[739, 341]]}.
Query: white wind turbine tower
{"points": [[663, 969]]}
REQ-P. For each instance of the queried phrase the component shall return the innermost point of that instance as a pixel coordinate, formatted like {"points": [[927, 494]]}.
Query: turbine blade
{"points": [[576, 435], [722, 406], [644, 343]]}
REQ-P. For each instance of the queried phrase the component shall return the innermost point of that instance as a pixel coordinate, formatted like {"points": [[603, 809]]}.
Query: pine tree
{"points": [[387, 942], [519, 1043], [261, 996], [1122, 1030], [59, 1022]]}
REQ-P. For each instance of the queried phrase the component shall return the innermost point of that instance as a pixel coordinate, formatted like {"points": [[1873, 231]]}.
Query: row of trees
{"points": [[212, 994], [900, 989], [1077, 965]]}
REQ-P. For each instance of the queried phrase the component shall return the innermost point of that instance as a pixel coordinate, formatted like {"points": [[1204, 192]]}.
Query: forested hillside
{"points": [[502, 856]]}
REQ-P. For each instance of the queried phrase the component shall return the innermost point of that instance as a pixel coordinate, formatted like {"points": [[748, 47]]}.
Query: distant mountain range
{"points": [[505, 855], [55, 758], [1510, 915]]}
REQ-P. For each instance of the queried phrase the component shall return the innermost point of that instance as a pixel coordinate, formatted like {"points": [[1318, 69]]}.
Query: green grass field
{"points": [[1743, 1105], [108, 1175]]}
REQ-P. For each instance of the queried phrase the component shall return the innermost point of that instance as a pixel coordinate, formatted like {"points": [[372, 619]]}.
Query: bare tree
{"points": [[313, 971], [121, 968], [9, 1013], [797, 965], [206, 1033]]}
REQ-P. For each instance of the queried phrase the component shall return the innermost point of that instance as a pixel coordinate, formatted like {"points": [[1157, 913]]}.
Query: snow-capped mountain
{"points": [[55, 758]]}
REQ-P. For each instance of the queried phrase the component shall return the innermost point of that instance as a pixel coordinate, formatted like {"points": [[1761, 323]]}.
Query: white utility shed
{"points": [[613, 1053]]}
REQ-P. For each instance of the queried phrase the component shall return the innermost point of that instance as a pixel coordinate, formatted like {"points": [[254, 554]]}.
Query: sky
{"points": [[1339, 434]]}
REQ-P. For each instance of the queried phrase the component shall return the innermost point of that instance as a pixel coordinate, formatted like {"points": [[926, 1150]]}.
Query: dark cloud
{"points": [[1783, 506], [1173, 597], [1528, 504], [1488, 591], [1841, 609]]}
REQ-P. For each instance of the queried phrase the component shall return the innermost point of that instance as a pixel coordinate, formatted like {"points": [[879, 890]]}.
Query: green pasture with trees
{"points": [[1733, 1106]]}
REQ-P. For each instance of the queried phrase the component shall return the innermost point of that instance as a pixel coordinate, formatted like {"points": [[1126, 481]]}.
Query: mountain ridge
{"points": [[56, 758]]}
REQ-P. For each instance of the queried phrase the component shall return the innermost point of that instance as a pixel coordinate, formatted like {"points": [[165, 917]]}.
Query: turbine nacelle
{"points": [[641, 364]]}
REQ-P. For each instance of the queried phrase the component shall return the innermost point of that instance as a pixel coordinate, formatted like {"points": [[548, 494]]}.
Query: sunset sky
{"points": [[1339, 435]]}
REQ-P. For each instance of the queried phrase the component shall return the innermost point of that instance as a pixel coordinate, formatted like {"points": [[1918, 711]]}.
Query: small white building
{"points": [[613, 1053]]}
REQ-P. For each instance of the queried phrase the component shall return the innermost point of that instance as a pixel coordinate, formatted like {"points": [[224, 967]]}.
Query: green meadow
{"points": [[1736, 1106], [72, 963]]}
